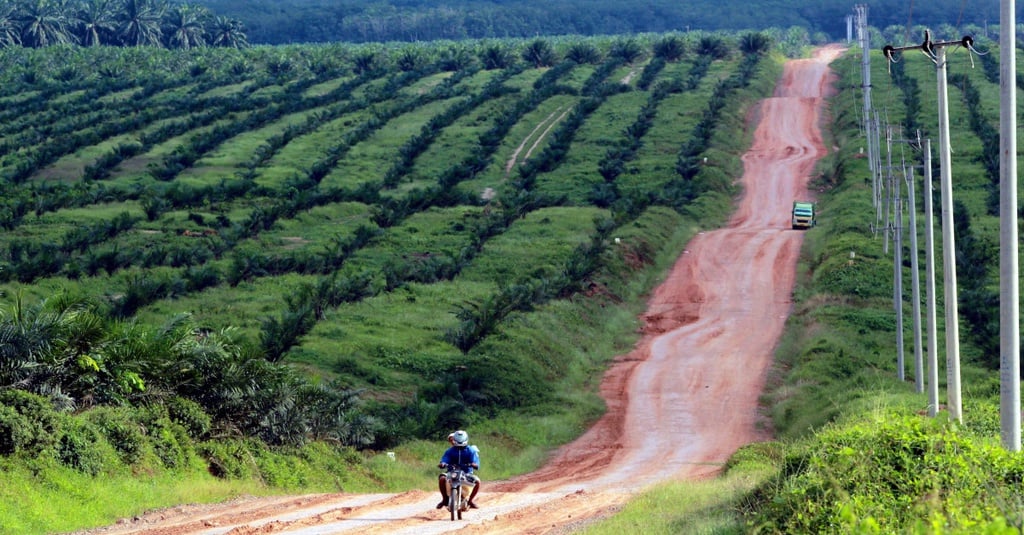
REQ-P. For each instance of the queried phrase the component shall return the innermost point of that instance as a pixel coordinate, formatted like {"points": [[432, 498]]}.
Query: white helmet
{"points": [[460, 437]]}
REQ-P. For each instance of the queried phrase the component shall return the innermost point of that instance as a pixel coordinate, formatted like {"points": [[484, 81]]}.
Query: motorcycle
{"points": [[459, 489]]}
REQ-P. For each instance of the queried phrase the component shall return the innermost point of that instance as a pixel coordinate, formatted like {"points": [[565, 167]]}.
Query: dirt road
{"points": [[679, 404]]}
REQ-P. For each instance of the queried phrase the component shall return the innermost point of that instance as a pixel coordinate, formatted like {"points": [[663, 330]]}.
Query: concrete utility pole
{"points": [[953, 403], [875, 162], [1009, 292], [915, 280], [937, 52], [929, 263], [865, 73], [897, 272], [887, 187]]}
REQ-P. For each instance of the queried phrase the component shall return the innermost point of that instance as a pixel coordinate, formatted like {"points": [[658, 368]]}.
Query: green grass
{"points": [[240, 149], [71, 168], [537, 244], [314, 230], [53, 500], [698, 508], [603, 130], [368, 161], [425, 84], [242, 307], [399, 331], [295, 158], [526, 139], [457, 139], [229, 90]]}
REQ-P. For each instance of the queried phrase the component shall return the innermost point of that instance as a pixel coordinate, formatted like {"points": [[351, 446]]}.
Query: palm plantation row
{"points": [[41, 23], [243, 177]]}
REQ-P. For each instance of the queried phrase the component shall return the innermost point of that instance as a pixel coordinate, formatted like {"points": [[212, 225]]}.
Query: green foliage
{"points": [[16, 431], [295, 21], [122, 430], [539, 53], [190, 416], [83, 447], [895, 470], [231, 458], [29, 422], [127, 23], [169, 440]]}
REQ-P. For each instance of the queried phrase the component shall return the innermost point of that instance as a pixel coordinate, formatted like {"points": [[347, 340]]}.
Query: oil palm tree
{"points": [[139, 22], [628, 50], [582, 53], [670, 48], [10, 29], [45, 23], [539, 53], [228, 32], [43, 347], [184, 26], [755, 43], [496, 56], [97, 22]]}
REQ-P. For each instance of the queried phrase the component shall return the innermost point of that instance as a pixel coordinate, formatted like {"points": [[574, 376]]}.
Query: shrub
{"points": [[231, 458], [121, 430], [890, 470], [30, 419], [168, 439], [15, 431], [190, 416], [170, 443], [82, 447]]}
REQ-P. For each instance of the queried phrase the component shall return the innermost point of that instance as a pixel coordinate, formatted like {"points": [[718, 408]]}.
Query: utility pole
{"points": [[1009, 291], [915, 278], [897, 275], [875, 163], [929, 263], [870, 129], [953, 403], [887, 188], [937, 52]]}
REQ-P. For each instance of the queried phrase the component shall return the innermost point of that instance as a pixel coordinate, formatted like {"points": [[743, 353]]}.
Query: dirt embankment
{"points": [[679, 404]]}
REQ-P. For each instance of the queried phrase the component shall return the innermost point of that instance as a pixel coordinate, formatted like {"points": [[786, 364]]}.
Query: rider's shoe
{"points": [[442, 504], [473, 505]]}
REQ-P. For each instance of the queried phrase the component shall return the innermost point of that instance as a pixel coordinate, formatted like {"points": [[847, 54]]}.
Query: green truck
{"points": [[803, 215]]}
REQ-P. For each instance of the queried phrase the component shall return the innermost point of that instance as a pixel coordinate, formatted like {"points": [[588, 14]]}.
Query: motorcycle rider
{"points": [[459, 455]]}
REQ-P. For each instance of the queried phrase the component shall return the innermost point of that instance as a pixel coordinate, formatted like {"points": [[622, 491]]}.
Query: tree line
{"points": [[292, 21], [40, 23]]}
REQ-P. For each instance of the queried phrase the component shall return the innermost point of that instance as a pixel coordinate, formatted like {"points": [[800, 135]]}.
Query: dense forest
{"points": [[290, 21]]}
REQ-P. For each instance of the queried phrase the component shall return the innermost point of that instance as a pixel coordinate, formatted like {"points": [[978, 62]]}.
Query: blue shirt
{"points": [[461, 457]]}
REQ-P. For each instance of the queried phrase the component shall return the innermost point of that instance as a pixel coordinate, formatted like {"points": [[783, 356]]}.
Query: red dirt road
{"points": [[679, 404]]}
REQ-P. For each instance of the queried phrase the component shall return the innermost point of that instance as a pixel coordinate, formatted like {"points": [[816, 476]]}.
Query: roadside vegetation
{"points": [[855, 450]]}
